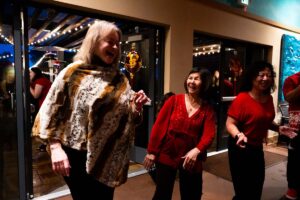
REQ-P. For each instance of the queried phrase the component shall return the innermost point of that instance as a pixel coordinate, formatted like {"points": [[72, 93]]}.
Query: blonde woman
{"points": [[89, 117]]}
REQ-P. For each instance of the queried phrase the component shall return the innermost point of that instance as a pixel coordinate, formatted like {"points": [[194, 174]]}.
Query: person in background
{"points": [[250, 116], [291, 92], [232, 82], [165, 97], [180, 137], [89, 117], [39, 87]]}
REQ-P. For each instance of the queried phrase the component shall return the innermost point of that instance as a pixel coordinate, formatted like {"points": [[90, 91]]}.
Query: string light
{"points": [[206, 50], [72, 50], [6, 39], [5, 56], [72, 30]]}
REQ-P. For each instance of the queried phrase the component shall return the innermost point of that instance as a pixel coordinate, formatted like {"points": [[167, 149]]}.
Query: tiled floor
{"points": [[214, 188]]}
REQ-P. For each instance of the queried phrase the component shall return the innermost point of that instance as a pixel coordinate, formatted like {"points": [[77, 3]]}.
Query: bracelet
{"points": [[237, 136]]}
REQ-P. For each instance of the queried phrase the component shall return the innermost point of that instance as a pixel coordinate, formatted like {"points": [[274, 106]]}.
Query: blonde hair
{"points": [[96, 32]]}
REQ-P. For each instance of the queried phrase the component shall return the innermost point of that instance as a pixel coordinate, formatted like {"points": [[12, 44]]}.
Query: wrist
{"points": [[197, 150], [138, 110], [54, 145], [237, 136]]}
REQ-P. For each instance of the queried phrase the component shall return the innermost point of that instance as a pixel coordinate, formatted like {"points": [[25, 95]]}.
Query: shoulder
{"points": [[242, 96], [170, 101], [43, 80], [240, 100], [69, 70], [292, 78], [179, 96]]}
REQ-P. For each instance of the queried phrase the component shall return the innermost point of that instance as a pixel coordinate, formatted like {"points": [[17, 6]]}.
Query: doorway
{"points": [[225, 59], [54, 37]]}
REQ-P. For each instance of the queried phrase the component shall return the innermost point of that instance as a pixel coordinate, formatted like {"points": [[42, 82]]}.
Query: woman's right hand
{"points": [[60, 161], [149, 161], [241, 140]]}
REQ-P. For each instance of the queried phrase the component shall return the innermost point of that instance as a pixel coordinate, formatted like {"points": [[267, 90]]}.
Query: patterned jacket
{"points": [[89, 108]]}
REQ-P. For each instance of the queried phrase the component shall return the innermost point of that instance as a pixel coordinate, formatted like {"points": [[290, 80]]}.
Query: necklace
{"points": [[192, 104]]}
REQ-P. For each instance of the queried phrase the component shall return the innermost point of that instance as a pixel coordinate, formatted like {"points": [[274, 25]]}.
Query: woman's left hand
{"points": [[190, 159], [288, 131], [139, 99]]}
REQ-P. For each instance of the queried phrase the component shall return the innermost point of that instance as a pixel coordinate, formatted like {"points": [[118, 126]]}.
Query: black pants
{"points": [[190, 183], [293, 165], [247, 167], [82, 185]]}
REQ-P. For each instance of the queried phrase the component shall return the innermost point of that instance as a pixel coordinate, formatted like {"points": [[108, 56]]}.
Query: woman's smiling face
{"points": [[193, 83], [108, 48], [263, 80]]}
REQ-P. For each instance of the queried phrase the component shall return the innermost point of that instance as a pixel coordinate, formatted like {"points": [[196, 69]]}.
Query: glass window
{"points": [[9, 178]]}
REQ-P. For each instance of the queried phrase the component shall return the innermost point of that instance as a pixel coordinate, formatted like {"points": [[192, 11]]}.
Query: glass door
{"points": [[225, 59], [9, 179], [15, 181], [140, 62]]}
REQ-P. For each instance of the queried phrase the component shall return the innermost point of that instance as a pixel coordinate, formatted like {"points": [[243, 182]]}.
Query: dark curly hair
{"points": [[252, 72]]}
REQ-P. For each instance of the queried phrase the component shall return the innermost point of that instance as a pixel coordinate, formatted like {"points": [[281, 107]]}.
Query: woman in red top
{"points": [[250, 116], [39, 85], [181, 134]]}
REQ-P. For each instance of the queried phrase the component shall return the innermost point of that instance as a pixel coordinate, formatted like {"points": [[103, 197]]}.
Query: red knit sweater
{"points": [[174, 133]]}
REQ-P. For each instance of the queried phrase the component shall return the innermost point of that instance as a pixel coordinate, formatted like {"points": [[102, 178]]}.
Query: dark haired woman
{"points": [[181, 134], [39, 85], [250, 116]]}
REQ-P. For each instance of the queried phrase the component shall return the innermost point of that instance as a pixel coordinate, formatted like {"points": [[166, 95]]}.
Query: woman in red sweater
{"points": [[181, 134]]}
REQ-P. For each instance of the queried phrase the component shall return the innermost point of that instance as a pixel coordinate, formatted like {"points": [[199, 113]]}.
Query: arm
{"points": [[139, 99], [293, 95], [36, 91], [209, 130], [284, 130], [160, 126], [291, 89], [46, 122], [59, 158], [205, 141], [158, 132], [232, 129]]}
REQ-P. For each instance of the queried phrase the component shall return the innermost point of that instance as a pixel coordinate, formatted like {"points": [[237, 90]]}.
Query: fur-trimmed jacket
{"points": [[89, 108]]}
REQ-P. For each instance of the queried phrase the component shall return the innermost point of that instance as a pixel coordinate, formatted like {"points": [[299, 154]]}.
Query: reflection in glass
{"points": [[9, 179]]}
